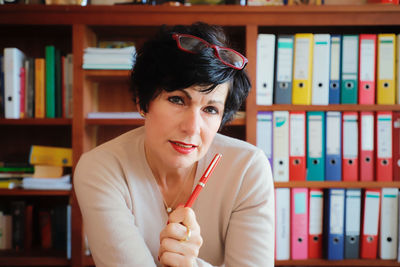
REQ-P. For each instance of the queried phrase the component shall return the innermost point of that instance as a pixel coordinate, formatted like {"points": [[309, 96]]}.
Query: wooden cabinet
{"points": [[73, 28]]}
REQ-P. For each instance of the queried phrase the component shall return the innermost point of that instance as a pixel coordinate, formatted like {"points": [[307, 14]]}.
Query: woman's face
{"points": [[181, 125]]}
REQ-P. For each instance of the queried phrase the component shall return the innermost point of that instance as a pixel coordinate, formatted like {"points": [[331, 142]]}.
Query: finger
{"points": [[174, 230], [186, 216], [175, 260], [175, 246]]}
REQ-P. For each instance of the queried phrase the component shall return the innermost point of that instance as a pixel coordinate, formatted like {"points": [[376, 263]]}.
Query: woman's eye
{"points": [[176, 100], [211, 110]]}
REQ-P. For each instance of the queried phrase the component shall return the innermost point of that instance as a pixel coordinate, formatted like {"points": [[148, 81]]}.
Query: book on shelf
{"points": [[56, 183], [109, 58], [114, 115], [50, 155]]}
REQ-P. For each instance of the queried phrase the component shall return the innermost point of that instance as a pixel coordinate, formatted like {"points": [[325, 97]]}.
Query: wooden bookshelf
{"points": [[73, 28]]}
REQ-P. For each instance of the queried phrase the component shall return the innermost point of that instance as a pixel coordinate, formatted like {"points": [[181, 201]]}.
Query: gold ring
{"points": [[188, 234]]}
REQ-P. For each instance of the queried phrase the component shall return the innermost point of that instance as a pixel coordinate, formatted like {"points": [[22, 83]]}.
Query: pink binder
{"points": [[299, 223]]}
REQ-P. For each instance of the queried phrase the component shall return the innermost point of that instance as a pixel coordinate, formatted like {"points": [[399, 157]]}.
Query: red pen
{"points": [[203, 180]]}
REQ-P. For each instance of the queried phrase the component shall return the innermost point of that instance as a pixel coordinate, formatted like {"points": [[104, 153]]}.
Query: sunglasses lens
{"points": [[191, 44], [231, 57]]}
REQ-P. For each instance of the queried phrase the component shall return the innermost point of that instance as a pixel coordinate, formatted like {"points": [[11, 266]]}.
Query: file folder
{"points": [[297, 146], [284, 69], [334, 82], [335, 224], [398, 69], [316, 201], [280, 146], [370, 224], [349, 70], [333, 159], [384, 166], [321, 64], [396, 146], [352, 224], [350, 146], [386, 69], [367, 69], [389, 224], [303, 54], [264, 133], [299, 224], [282, 216], [265, 68], [367, 159], [315, 146], [13, 62]]}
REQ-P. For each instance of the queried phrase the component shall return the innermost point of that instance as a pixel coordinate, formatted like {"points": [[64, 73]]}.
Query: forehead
{"points": [[219, 93]]}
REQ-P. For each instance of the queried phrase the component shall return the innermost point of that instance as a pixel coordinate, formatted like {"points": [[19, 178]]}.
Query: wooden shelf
{"points": [[57, 121], [107, 75], [35, 257], [340, 184], [26, 192], [341, 107], [329, 15], [323, 262]]}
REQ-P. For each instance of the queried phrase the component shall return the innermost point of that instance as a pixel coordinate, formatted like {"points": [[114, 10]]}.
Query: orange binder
{"points": [[367, 69], [297, 146], [370, 226], [384, 146], [316, 204], [367, 160], [350, 146]]}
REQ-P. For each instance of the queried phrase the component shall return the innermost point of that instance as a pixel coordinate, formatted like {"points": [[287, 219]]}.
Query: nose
{"points": [[191, 122]]}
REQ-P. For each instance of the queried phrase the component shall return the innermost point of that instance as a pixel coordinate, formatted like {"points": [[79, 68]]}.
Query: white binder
{"points": [[264, 133], [13, 62], [389, 221], [281, 146], [321, 67], [265, 68], [282, 215]]}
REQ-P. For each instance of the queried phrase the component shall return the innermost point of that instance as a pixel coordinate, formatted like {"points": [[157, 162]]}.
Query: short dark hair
{"points": [[161, 65]]}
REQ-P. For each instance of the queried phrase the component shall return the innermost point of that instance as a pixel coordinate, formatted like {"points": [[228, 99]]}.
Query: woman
{"points": [[131, 189]]}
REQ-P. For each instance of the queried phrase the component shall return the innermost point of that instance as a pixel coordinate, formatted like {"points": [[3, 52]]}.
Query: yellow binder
{"points": [[302, 68], [48, 155], [386, 81]]}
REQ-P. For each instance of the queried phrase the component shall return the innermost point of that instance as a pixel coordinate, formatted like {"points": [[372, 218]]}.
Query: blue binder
{"points": [[334, 81], [315, 146], [333, 157], [334, 224]]}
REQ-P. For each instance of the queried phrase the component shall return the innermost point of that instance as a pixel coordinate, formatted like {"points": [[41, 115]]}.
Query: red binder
{"points": [[367, 69], [297, 146], [316, 203], [384, 146], [367, 161], [350, 146], [370, 224], [396, 146]]}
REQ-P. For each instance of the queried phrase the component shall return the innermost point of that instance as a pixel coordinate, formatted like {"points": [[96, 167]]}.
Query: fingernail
{"points": [[158, 258]]}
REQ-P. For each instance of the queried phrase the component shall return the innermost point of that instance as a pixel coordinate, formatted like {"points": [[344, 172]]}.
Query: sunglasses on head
{"points": [[193, 44]]}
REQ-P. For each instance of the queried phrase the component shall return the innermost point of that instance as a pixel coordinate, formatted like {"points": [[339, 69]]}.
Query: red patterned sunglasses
{"points": [[193, 44]]}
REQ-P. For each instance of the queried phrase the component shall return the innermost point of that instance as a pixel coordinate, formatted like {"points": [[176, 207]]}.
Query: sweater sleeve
{"points": [[103, 197], [250, 235]]}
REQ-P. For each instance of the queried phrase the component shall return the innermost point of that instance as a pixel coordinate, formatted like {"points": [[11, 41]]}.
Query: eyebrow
{"points": [[209, 102]]}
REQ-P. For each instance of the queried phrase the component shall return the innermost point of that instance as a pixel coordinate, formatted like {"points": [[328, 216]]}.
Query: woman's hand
{"points": [[180, 240]]}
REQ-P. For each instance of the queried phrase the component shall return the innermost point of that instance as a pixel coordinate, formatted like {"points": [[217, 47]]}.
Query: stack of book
{"points": [[49, 164], [109, 58]]}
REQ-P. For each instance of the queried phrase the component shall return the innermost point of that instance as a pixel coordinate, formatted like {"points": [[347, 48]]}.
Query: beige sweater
{"points": [[123, 210]]}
